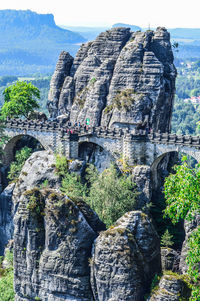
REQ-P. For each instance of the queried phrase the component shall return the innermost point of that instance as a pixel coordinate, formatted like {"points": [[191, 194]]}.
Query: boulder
{"points": [[171, 288], [125, 258], [169, 259]]}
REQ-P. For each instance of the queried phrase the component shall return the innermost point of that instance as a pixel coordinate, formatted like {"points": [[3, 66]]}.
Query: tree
{"points": [[111, 194], [182, 192], [166, 239], [20, 100]]}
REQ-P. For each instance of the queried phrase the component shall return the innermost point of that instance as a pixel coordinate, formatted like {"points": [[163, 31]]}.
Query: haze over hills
{"points": [[31, 42], [132, 27]]}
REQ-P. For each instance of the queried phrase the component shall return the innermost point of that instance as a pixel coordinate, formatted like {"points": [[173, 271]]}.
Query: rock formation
{"points": [[122, 78], [171, 288], [142, 179], [189, 227], [169, 259], [53, 237], [125, 259], [6, 217]]}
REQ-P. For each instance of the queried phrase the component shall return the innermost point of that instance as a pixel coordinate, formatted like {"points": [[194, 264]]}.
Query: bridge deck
{"points": [[116, 133]]}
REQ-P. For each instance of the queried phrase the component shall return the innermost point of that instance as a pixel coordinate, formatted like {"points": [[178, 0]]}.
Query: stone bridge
{"points": [[137, 146]]}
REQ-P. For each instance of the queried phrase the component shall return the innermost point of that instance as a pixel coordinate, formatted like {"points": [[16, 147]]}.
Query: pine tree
{"points": [[166, 239]]}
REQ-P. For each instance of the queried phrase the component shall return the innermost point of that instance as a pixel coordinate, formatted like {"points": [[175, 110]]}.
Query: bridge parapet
{"points": [[166, 138], [137, 145]]}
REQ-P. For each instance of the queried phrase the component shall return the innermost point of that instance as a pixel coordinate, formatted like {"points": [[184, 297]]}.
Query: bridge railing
{"points": [[117, 133], [167, 138], [54, 126]]}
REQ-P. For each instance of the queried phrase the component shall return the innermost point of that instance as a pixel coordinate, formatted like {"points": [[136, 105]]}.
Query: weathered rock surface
{"points": [[142, 179], [62, 71], [53, 237], [189, 227], [6, 217], [171, 288], [169, 259], [122, 78], [125, 258]]}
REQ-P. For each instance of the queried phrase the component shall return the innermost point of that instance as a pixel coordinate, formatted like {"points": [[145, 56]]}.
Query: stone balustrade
{"points": [[138, 145]]}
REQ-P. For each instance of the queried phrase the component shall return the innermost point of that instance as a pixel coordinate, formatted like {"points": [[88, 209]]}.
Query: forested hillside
{"points": [[30, 42], [186, 111]]}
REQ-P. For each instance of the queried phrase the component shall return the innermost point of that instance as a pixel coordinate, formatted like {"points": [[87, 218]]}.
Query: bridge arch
{"points": [[94, 151], [10, 147], [194, 153]]}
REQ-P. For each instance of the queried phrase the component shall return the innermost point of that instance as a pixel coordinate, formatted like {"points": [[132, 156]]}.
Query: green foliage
{"points": [[6, 286], [166, 239], [6, 279], [20, 100], [185, 113], [182, 192], [125, 99], [108, 109], [154, 284], [73, 187], [9, 258], [185, 117], [62, 165], [16, 166], [193, 260], [36, 202], [111, 194], [42, 83], [93, 80]]}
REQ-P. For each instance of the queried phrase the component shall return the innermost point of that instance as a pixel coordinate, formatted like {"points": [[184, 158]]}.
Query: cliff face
{"points": [[6, 217], [122, 78], [54, 238]]}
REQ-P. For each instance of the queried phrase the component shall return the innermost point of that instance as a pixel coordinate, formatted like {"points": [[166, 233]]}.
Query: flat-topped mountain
{"points": [[31, 42], [19, 26]]}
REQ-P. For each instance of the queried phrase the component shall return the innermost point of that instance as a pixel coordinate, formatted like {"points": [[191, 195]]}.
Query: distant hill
{"points": [[89, 33], [185, 33], [189, 42], [132, 27], [31, 42]]}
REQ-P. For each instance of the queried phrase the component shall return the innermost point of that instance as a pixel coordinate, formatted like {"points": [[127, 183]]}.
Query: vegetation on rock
{"points": [[110, 194], [16, 166], [6, 279]]}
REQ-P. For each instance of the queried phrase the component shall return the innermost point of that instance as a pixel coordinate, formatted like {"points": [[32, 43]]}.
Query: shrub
{"points": [[6, 287], [16, 166], [62, 165], [6, 280], [111, 194]]}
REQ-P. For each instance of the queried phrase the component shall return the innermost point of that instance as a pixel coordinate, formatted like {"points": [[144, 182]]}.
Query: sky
{"points": [[144, 13]]}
